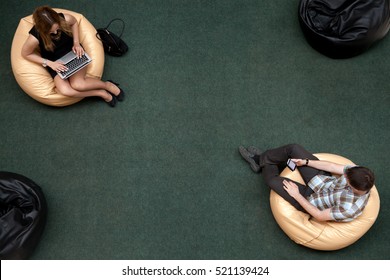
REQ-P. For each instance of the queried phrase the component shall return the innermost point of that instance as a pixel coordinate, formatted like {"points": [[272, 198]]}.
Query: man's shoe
{"points": [[249, 158], [254, 151]]}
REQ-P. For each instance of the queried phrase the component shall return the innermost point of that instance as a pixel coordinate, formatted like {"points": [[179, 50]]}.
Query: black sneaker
{"points": [[249, 158]]}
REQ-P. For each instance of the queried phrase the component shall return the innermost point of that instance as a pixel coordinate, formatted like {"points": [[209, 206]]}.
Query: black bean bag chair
{"points": [[344, 28], [23, 214]]}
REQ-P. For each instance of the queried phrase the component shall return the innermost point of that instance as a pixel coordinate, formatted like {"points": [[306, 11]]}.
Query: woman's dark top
{"points": [[62, 45]]}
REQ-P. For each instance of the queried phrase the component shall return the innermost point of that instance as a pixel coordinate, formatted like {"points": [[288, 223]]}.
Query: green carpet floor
{"points": [[160, 176]]}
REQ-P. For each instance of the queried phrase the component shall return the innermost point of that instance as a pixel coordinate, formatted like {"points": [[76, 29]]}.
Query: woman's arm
{"points": [[28, 52], [71, 20]]}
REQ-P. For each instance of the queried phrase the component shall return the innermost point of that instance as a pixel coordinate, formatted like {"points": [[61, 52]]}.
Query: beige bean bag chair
{"points": [[304, 230], [35, 80]]}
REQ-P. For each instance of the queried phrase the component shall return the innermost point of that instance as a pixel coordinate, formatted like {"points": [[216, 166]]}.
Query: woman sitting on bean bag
{"points": [[56, 34]]}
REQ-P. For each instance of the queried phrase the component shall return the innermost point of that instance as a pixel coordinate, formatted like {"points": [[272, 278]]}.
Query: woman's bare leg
{"points": [[65, 88], [80, 82]]}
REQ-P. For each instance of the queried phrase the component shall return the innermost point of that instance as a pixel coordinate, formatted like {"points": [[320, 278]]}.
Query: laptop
{"points": [[73, 63]]}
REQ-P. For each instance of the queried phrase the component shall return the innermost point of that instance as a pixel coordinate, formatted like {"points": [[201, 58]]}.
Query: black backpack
{"points": [[112, 43]]}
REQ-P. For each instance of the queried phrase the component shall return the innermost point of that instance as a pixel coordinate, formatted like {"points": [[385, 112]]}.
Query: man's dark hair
{"points": [[361, 178]]}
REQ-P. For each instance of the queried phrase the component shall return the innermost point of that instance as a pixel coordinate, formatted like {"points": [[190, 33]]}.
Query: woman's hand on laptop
{"points": [[78, 50], [57, 66]]}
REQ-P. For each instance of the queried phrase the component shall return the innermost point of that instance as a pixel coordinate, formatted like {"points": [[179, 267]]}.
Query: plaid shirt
{"points": [[334, 192]]}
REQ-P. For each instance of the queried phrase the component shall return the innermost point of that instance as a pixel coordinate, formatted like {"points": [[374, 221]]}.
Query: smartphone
{"points": [[290, 164]]}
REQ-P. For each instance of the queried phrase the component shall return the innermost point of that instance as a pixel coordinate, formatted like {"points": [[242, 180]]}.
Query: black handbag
{"points": [[112, 43]]}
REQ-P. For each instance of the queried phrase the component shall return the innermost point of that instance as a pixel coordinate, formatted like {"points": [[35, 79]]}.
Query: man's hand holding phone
{"points": [[291, 164]]}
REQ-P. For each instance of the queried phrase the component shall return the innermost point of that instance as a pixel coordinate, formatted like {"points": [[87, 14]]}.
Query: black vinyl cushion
{"points": [[23, 212], [344, 28]]}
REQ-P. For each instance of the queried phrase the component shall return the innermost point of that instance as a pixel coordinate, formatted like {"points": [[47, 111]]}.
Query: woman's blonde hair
{"points": [[44, 17]]}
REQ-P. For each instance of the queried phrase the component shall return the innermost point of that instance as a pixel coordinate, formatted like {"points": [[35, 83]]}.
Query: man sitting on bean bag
{"points": [[328, 198]]}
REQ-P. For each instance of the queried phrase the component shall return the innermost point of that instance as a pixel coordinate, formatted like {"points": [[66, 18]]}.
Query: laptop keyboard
{"points": [[75, 64]]}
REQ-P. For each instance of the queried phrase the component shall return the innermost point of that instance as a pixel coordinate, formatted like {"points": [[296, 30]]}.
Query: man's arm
{"points": [[334, 168], [319, 215]]}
